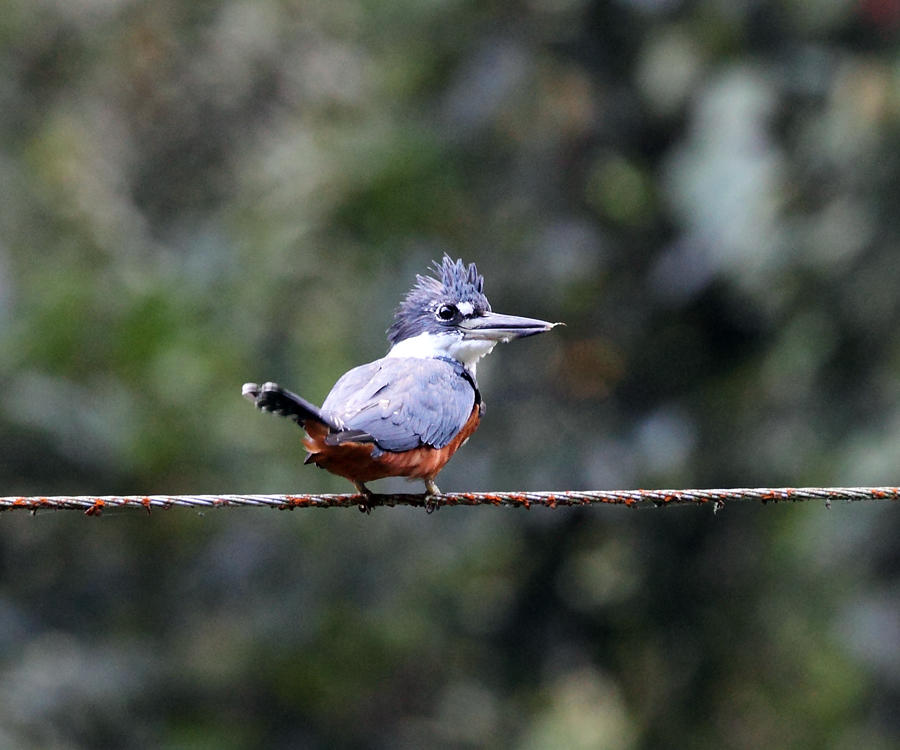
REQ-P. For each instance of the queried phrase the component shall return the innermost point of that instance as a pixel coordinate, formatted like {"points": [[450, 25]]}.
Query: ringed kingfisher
{"points": [[407, 413]]}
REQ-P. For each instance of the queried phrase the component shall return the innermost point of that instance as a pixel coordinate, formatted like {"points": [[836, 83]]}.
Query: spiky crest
{"points": [[453, 283]]}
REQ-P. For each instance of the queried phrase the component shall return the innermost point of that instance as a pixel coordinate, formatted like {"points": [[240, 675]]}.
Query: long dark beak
{"points": [[493, 326]]}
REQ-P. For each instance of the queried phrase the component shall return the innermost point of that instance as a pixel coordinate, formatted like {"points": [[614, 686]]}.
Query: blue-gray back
{"points": [[401, 403]]}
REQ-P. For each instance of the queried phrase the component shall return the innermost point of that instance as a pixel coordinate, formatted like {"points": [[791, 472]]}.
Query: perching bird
{"points": [[407, 413]]}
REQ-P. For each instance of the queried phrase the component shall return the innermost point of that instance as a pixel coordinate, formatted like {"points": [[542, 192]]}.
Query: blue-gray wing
{"points": [[401, 403]]}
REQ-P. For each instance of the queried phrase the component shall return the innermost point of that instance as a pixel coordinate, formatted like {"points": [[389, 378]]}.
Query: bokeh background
{"points": [[195, 194]]}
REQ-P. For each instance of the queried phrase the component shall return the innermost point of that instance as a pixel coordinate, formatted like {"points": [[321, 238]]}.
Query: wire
{"points": [[717, 498]]}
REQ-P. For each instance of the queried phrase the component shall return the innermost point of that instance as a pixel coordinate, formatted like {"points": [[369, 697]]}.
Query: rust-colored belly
{"points": [[355, 461]]}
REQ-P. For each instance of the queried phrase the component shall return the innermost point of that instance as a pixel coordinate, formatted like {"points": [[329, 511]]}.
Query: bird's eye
{"points": [[446, 312]]}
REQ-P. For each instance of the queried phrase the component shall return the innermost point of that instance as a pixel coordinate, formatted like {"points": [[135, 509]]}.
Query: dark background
{"points": [[196, 194]]}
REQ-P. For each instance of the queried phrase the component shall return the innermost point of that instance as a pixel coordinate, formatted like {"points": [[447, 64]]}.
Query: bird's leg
{"points": [[366, 493], [431, 491]]}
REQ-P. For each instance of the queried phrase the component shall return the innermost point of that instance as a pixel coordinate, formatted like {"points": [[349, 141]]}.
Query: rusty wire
{"points": [[717, 498]]}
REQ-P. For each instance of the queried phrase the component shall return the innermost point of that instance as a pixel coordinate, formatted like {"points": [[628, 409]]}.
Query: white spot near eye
{"points": [[466, 308]]}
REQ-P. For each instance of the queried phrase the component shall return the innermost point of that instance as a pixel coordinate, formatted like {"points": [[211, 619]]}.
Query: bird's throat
{"points": [[430, 345]]}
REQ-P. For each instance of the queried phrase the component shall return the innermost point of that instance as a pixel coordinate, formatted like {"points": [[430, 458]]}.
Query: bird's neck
{"points": [[433, 345]]}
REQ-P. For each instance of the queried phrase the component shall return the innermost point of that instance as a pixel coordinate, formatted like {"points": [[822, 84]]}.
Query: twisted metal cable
{"points": [[94, 505]]}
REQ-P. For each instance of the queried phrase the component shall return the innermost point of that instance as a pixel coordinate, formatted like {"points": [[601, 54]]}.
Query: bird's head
{"points": [[448, 315]]}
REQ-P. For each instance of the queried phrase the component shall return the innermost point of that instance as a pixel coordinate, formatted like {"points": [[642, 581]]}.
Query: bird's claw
{"points": [[431, 496], [365, 494]]}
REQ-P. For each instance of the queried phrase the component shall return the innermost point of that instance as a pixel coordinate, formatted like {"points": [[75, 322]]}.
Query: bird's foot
{"points": [[366, 495], [431, 496]]}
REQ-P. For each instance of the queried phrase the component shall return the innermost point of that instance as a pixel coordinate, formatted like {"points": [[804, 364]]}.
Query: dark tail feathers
{"points": [[273, 398]]}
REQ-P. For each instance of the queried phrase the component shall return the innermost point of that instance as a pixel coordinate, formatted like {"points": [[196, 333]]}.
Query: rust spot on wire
{"points": [[297, 501], [96, 509], [521, 500]]}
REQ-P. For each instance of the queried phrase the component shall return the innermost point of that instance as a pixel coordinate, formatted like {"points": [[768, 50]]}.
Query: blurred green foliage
{"points": [[196, 194]]}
